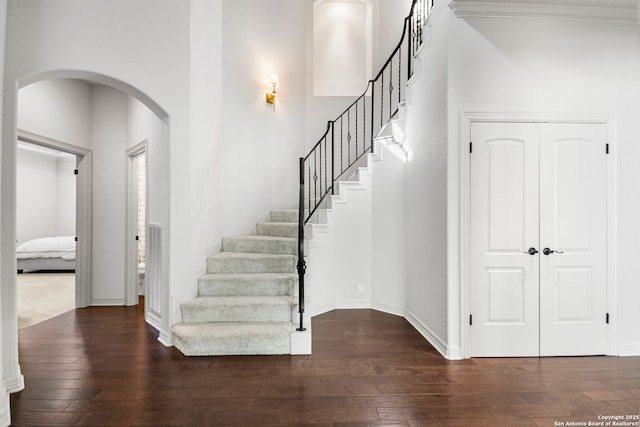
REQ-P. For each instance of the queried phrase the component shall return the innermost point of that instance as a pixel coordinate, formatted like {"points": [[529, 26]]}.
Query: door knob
{"points": [[531, 251], [548, 251]]}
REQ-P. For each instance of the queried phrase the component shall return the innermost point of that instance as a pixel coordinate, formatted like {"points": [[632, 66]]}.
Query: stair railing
{"points": [[351, 135]]}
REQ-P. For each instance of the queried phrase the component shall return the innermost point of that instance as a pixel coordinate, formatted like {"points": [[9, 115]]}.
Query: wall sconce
{"points": [[274, 79]]}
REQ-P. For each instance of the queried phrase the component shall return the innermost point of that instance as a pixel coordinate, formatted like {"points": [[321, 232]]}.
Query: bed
{"points": [[47, 253]]}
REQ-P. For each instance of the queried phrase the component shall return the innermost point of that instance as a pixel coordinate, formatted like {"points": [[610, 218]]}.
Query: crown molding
{"points": [[620, 11]]}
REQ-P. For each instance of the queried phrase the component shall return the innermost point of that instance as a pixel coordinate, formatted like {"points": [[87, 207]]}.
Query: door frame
{"points": [[83, 209], [470, 116], [131, 215]]}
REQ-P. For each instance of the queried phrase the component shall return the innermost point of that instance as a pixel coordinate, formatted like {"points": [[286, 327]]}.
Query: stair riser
{"points": [[249, 313], [243, 244], [248, 265], [277, 229], [284, 216], [232, 346], [240, 287]]}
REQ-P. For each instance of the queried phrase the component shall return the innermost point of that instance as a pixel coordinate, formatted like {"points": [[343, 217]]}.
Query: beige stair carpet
{"points": [[245, 301]]}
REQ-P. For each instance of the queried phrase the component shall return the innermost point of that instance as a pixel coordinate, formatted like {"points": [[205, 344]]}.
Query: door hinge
{"points": [[471, 147], [471, 319], [137, 237], [607, 318], [76, 171], [75, 238], [607, 148]]}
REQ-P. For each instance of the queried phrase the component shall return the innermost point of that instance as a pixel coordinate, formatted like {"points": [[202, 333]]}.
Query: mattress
{"points": [[47, 253]]}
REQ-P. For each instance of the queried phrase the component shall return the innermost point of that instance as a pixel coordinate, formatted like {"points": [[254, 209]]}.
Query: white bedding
{"points": [[63, 247]]}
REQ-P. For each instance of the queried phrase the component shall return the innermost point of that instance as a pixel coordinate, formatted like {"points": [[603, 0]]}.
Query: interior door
{"points": [[538, 239], [504, 206], [573, 290]]}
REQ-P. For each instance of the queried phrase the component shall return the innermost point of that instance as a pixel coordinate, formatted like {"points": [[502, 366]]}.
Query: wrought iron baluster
{"points": [[390, 87], [364, 125], [356, 129], [349, 137], [373, 92], [315, 175], [320, 161], [309, 188], [341, 148], [382, 100], [399, 76]]}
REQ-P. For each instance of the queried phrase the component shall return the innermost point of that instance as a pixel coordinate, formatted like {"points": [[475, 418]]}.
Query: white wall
{"points": [[388, 271], [342, 47], [207, 106], [555, 66], [257, 149], [59, 109], [362, 243], [387, 28], [425, 187], [45, 195], [66, 196], [339, 255], [109, 137]]}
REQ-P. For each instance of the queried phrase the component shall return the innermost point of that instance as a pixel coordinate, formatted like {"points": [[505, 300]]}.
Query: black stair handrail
{"points": [[328, 161]]}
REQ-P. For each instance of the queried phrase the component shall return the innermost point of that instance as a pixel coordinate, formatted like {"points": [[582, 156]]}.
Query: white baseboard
{"points": [[438, 343], [628, 350], [103, 302], [14, 384], [347, 304], [165, 338], [389, 309]]}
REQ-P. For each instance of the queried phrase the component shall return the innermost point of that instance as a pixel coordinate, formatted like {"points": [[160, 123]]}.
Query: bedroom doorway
{"points": [[136, 223], [45, 231]]}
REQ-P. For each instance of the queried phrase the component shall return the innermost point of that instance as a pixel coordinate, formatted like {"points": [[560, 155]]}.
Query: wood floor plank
{"points": [[103, 366]]}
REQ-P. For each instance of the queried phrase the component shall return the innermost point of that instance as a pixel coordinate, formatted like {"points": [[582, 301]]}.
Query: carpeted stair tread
{"points": [[260, 244], [249, 284], [279, 229], [244, 262], [214, 339], [238, 309], [289, 215]]}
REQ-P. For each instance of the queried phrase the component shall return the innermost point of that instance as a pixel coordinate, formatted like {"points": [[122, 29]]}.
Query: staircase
{"points": [[245, 302]]}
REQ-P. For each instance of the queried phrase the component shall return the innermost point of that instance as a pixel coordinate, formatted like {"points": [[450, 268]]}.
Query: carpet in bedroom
{"points": [[42, 296]]}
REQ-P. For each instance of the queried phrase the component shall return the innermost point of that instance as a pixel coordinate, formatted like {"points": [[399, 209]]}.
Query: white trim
{"points": [[83, 209], [5, 420], [438, 343], [131, 220], [165, 337], [355, 304], [469, 116], [622, 12], [107, 302], [14, 384], [390, 309], [301, 341], [629, 350]]}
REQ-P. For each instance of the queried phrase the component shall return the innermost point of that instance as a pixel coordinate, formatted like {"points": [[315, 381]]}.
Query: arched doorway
{"points": [[103, 161]]}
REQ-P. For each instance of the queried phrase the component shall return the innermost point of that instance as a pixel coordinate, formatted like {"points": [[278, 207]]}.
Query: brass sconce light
{"points": [[274, 79]]}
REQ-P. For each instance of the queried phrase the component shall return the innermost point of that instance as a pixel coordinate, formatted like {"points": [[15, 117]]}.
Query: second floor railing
{"points": [[351, 135]]}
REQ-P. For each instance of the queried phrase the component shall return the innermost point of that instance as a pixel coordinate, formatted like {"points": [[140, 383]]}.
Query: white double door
{"points": [[538, 239]]}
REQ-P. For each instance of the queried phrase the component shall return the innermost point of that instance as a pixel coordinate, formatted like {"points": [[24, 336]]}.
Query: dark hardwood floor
{"points": [[103, 366]]}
